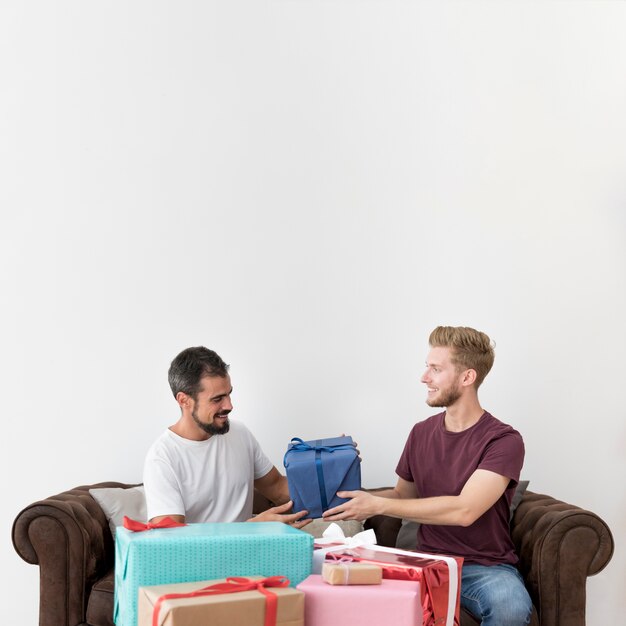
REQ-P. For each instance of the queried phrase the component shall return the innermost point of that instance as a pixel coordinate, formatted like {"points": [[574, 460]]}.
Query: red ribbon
{"points": [[233, 585], [137, 527]]}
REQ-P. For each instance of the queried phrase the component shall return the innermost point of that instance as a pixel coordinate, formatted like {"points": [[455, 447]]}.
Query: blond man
{"points": [[456, 477]]}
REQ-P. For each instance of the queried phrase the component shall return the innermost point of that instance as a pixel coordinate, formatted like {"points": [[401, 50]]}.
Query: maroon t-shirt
{"points": [[440, 462]]}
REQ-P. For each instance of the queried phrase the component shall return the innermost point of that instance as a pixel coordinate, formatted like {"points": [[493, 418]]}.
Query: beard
{"points": [[211, 428], [445, 398]]}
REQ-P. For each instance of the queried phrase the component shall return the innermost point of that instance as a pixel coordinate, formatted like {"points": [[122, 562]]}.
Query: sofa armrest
{"points": [[559, 546], [68, 536]]}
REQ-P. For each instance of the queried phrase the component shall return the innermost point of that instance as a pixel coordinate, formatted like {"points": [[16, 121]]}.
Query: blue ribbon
{"points": [[320, 475], [302, 446]]}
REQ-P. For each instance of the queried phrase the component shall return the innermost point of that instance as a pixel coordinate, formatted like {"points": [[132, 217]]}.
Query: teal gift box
{"points": [[199, 552]]}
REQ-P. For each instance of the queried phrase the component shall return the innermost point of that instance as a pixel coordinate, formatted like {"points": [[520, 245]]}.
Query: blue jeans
{"points": [[496, 595]]}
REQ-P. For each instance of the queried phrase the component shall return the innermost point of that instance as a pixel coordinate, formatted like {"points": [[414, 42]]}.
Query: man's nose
{"points": [[425, 377], [227, 405]]}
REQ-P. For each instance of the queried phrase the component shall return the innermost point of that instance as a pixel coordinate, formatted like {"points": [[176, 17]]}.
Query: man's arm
{"points": [[480, 493], [176, 518], [403, 490], [161, 491], [273, 486]]}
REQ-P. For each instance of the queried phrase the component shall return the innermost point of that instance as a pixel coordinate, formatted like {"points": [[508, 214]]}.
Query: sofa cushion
{"points": [[319, 525], [407, 535], [518, 495], [117, 502], [100, 605]]}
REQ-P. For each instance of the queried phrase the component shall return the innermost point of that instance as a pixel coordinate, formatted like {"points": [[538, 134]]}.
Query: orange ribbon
{"points": [[233, 584], [137, 527]]}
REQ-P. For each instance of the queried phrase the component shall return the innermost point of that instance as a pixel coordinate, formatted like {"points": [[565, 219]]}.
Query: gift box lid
{"points": [[210, 531]]}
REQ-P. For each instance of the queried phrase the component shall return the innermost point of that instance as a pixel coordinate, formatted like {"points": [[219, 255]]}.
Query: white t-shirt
{"points": [[206, 481]]}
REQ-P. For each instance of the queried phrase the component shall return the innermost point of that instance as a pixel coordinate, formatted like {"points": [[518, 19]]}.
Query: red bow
{"points": [[137, 527], [233, 585]]}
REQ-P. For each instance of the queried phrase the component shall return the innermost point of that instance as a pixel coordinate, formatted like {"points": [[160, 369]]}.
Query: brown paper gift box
{"points": [[243, 608], [352, 574]]}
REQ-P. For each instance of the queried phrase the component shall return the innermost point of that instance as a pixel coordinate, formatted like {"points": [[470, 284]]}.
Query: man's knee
{"points": [[510, 606], [497, 596]]}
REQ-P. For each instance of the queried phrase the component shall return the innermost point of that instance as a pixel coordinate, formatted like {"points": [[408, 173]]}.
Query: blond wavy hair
{"points": [[470, 348]]}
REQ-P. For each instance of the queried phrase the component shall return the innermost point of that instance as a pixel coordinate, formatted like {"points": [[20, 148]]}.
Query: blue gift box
{"points": [[318, 469], [199, 552]]}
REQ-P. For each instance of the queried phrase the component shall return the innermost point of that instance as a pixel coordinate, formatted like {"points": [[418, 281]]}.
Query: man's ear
{"points": [[183, 399], [469, 377]]}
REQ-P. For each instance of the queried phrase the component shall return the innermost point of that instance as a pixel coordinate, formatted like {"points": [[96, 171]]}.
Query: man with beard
{"points": [[456, 477], [204, 467]]}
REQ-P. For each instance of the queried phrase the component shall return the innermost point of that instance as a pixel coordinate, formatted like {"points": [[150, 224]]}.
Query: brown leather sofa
{"points": [[68, 536]]}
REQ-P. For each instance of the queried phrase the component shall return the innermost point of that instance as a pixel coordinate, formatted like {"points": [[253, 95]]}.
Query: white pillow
{"points": [[319, 525], [116, 502]]}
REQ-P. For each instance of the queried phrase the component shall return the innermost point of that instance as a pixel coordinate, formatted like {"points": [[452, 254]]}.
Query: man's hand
{"points": [[360, 506], [279, 514]]}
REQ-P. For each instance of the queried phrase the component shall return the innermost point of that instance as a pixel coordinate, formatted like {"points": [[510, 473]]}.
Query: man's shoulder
{"points": [[162, 445], [499, 435], [429, 423], [497, 426]]}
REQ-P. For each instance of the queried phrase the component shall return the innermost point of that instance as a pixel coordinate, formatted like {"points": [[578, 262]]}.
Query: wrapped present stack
{"points": [[434, 579], [201, 552], [439, 578], [244, 574]]}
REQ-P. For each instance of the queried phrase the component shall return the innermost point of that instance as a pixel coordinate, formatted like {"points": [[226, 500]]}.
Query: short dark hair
{"points": [[188, 368]]}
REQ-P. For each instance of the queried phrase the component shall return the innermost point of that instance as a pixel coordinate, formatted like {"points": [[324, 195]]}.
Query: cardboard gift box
{"points": [[440, 577], [352, 573], [197, 552], [318, 469], [224, 602], [393, 602]]}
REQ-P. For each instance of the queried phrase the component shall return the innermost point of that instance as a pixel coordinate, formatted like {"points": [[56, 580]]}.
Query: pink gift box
{"points": [[394, 602]]}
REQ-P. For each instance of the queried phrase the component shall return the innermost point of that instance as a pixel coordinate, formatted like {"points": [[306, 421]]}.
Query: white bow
{"points": [[334, 535]]}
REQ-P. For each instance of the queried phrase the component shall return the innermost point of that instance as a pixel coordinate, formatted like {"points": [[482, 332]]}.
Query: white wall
{"points": [[309, 188]]}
